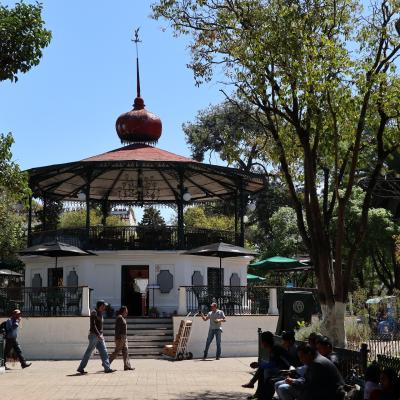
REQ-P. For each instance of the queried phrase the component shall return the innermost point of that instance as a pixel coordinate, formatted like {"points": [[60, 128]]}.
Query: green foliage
{"points": [[152, 217], [196, 217], [357, 333], [285, 237], [22, 38], [13, 190], [77, 219], [52, 215], [228, 131]]}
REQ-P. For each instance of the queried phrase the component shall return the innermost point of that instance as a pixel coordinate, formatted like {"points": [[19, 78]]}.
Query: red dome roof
{"points": [[138, 125]]}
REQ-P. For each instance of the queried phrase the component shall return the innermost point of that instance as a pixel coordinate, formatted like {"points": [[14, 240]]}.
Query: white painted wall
{"points": [[102, 273], [239, 337], [57, 338]]}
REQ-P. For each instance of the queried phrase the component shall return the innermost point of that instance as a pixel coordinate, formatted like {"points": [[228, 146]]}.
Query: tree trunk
{"points": [[333, 322]]}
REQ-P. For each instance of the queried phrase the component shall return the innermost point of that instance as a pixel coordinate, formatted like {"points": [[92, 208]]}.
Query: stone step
{"points": [[141, 327], [142, 339], [143, 320], [142, 332]]}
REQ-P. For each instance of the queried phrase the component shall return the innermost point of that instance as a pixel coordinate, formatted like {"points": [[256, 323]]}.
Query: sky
{"points": [[65, 108]]}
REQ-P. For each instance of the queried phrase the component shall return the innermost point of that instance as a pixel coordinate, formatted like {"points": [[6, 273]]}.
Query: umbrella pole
{"points": [[220, 281]]}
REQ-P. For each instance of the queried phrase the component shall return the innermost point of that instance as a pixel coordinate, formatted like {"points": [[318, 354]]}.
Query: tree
{"points": [[226, 130], [49, 214], [77, 219], [13, 192], [323, 83], [285, 236], [152, 217], [197, 217], [22, 38]]}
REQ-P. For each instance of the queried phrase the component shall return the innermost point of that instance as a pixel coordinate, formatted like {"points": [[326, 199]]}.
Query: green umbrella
{"points": [[254, 278], [279, 263]]}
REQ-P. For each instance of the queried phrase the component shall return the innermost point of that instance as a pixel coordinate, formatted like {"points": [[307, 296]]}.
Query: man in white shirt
{"points": [[216, 318]]}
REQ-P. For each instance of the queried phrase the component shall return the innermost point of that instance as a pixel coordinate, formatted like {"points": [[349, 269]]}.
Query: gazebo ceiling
{"points": [[140, 173]]}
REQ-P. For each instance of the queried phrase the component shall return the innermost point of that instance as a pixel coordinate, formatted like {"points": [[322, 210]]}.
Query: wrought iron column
{"points": [[44, 212], [181, 227], [104, 212], [236, 219], [87, 209], [30, 221], [242, 210]]}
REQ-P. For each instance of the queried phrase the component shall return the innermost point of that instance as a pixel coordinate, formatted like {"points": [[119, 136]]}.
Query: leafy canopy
{"points": [[22, 39]]}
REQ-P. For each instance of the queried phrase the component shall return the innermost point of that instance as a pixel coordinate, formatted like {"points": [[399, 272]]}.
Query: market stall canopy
{"points": [[254, 278], [8, 272], [143, 174], [377, 300], [221, 250], [279, 263], [55, 249]]}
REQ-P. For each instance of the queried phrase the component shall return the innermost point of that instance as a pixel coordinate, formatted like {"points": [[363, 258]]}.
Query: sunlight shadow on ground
{"points": [[211, 395]]}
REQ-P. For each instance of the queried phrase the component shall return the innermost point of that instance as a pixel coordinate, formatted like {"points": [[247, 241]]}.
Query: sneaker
{"points": [[109, 371], [248, 385], [129, 369], [26, 365], [7, 369], [205, 357], [82, 371], [217, 358]]}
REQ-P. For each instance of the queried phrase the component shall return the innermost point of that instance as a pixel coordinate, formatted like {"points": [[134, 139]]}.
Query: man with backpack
{"points": [[10, 330]]}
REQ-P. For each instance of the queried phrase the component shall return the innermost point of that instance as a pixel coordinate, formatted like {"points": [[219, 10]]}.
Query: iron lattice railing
{"points": [[233, 300], [133, 237], [42, 301]]}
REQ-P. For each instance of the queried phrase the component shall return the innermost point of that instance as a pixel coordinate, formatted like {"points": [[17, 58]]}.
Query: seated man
{"points": [[289, 344], [322, 380], [325, 348], [278, 360]]}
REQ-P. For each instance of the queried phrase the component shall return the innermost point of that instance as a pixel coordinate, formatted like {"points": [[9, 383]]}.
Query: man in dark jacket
{"points": [[11, 336], [322, 380], [96, 339], [325, 348], [278, 359]]}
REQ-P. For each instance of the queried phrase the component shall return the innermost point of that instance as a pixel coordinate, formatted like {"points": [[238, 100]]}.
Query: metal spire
{"points": [[136, 40]]}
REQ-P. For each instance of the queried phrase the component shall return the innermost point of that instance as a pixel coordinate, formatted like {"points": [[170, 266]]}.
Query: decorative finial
{"points": [[136, 40]]}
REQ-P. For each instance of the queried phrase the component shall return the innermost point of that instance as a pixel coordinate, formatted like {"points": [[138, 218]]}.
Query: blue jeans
{"points": [[210, 337], [99, 344]]}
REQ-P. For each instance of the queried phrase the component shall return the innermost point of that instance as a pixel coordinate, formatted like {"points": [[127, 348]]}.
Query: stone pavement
{"points": [[152, 379]]}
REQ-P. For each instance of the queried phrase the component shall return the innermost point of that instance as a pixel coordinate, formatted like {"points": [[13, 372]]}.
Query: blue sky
{"points": [[65, 108]]}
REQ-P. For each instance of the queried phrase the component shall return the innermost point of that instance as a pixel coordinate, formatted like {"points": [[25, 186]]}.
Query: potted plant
{"points": [[153, 312], [109, 311]]}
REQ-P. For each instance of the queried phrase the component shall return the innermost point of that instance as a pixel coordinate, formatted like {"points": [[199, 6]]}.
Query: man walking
{"points": [[121, 338], [11, 336], [96, 339], [216, 318]]}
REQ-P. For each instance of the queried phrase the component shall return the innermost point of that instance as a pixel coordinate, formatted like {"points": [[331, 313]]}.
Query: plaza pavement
{"points": [[152, 379]]}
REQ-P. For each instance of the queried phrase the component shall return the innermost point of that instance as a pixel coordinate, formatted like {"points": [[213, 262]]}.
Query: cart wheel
{"points": [[179, 357], [189, 355]]}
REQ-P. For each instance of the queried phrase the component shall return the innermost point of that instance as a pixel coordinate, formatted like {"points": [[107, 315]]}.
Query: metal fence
{"points": [[233, 300], [134, 237], [42, 301]]}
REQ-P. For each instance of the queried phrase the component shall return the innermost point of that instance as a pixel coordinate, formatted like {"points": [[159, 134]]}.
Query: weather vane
{"points": [[136, 40]]}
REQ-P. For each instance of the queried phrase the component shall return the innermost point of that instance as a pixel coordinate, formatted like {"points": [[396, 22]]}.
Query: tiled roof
{"points": [[138, 152]]}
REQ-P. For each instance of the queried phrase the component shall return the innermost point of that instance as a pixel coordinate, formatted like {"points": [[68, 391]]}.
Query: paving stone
{"points": [[151, 380]]}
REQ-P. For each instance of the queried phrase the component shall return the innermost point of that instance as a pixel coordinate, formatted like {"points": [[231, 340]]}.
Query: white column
{"points": [[273, 302], [182, 307], [85, 312]]}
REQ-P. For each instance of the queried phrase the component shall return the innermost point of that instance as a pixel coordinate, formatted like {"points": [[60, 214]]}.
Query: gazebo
{"points": [[137, 174]]}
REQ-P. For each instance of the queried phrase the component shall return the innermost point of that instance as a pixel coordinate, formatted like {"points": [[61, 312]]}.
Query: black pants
{"points": [[12, 344], [265, 386]]}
